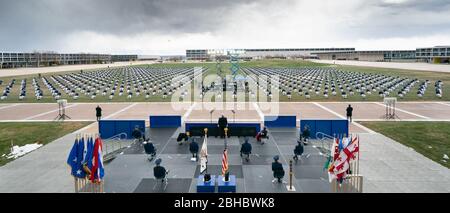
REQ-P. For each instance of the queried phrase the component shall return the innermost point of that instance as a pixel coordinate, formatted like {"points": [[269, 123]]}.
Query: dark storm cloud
{"points": [[28, 21]]}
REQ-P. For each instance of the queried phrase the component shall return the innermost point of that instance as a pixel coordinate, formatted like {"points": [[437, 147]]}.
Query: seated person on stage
{"points": [[263, 134], [223, 123], [298, 151], [137, 134], [305, 135], [159, 171], [149, 149], [182, 136], [193, 148], [278, 171], [246, 148]]}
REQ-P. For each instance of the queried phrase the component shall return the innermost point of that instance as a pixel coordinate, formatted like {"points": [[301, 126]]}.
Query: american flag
{"points": [[225, 162]]}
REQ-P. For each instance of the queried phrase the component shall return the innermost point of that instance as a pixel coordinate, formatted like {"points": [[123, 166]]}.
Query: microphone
{"points": [[212, 111], [234, 112]]}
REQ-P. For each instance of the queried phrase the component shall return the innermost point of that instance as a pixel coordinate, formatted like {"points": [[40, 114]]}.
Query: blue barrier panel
{"points": [[205, 125], [324, 126], [340, 127], [234, 129], [256, 125], [280, 121], [311, 125], [106, 128], [124, 127], [110, 128], [165, 121], [329, 127]]}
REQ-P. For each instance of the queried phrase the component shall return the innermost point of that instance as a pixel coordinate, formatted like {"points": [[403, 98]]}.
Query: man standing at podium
{"points": [[223, 123]]}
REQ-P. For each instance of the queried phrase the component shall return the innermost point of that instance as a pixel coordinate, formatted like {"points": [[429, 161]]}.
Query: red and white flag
{"points": [[341, 164], [98, 170]]}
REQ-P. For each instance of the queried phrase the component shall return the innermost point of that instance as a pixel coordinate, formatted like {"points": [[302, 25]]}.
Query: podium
{"points": [[224, 187], [206, 187]]}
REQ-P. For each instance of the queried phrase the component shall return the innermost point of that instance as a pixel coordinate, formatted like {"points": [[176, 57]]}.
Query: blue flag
{"points": [[72, 159], [89, 153], [80, 156]]}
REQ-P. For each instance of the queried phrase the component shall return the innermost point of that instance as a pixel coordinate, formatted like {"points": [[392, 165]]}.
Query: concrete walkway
{"points": [[388, 166], [393, 65]]}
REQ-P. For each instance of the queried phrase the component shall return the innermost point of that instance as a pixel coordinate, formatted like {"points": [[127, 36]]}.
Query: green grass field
{"points": [[431, 139], [212, 69], [21, 134]]}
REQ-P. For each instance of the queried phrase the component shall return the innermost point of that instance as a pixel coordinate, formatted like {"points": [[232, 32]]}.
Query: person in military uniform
{"points": [[305, 135], [246, 149], [277, 169], [298, 151], [193, 148]]}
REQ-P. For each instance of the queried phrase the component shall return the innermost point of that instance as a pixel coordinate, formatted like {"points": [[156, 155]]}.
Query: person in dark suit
{"points": [[150, 149], [223, 123], [305, 134], [98, 113], [278, 171], [246, 149], [137, 134], [193, 148], [349, 113], [298, 151], [159, 171]]}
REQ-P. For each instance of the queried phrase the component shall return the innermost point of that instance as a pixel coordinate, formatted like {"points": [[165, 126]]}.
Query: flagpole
{"points": [[206, 136], [226, 135]]}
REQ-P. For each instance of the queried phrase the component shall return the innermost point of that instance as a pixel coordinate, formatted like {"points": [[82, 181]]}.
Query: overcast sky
{"points": [[171, 26]]}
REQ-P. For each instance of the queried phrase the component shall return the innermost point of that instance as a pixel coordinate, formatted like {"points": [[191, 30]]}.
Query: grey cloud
{"points": [[42, 24], [25, 21], [404, 19]]}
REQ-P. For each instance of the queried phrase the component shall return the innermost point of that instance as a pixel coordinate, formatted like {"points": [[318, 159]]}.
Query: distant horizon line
{"points": [[184, 51]]}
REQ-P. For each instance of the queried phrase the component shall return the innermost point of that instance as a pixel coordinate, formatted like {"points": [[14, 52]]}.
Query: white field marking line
{"points": [[443, 103], [407, 112], [258, 110], [329, 110], [342, 117], [45, 113], [189, 111], [120, 111], [9, 106]]}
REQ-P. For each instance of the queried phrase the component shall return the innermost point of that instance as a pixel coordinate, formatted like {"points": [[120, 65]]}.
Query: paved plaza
{"points": [[386, 165]]}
